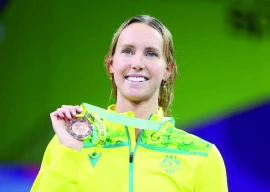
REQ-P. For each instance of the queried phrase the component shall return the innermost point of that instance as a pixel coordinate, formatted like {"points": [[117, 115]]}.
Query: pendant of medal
{"points": [[80, 128]]}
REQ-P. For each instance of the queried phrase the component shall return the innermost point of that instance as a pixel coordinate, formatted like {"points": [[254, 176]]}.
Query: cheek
{"points": [[157, 70], [120, 64]]}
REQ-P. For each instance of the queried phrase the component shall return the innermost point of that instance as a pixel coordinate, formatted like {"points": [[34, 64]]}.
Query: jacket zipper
{"points": [[131, 159], [131, 156]]}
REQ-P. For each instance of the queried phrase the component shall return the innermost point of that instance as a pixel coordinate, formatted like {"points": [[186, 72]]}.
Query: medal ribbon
{"points": [[125, 120], [95, 114]]}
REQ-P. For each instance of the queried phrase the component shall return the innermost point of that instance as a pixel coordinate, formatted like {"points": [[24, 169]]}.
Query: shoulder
{"points": [[188, 142], [176, 140]]}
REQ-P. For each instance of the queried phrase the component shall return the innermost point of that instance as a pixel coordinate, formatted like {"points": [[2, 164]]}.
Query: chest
{"points": [[148, 171]]}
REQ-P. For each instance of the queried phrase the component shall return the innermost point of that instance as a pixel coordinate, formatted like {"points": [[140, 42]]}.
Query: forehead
{"points": [[140, 34]]}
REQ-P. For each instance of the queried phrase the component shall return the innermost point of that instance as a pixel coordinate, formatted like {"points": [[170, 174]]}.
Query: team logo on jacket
{"points": [[94, 158], [170, 164]]}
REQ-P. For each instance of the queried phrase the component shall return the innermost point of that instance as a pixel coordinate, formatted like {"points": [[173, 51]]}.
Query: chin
{"points": [[136, 97]]}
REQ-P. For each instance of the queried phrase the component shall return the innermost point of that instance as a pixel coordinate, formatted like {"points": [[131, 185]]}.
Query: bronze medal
{"points": [[80, 129]]}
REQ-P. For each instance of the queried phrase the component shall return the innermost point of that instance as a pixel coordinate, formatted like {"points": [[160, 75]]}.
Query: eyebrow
{"points": [[148, 48]]}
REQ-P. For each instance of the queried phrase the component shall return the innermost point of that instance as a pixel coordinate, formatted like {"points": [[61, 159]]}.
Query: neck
{"points": [[141, 109]]}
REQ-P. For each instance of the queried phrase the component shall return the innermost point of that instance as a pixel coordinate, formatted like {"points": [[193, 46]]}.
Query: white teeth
{"points": [[136, 79]]}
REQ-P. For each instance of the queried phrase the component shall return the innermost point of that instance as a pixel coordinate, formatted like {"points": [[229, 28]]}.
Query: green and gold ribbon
{"points": [[95, 115]]}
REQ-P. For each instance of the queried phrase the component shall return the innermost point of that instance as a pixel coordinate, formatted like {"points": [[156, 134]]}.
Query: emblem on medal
{"points": [[80, 128]]}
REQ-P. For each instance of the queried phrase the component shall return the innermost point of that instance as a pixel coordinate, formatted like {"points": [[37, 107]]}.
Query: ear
{"points": [[168, 71], [110, 65]]}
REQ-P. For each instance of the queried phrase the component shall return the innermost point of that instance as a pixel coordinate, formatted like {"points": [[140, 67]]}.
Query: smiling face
{"points": [[138, 65], [166, 91]]}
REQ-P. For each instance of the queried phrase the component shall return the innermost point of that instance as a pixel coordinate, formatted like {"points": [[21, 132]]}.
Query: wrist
{"points": [[67, 140]]}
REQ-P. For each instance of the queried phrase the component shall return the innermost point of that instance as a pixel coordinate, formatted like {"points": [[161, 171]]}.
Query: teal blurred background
{"points": [[52, 53]]}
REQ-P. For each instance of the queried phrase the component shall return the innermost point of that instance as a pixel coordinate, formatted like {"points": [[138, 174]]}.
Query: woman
{"points": [[142, 69]]}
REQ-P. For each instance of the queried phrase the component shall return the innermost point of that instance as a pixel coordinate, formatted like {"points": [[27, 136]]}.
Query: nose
{"points": [[137, 63]]}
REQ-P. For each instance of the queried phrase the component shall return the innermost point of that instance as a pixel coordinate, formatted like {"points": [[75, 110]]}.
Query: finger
{"points": [[74, 109], [69, 106], [53, 114], [78, 108], [59, 113], [64, 113]]}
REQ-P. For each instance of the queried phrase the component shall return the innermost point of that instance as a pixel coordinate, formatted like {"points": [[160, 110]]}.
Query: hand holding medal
{"points": [[87, 126], [60, 119]]}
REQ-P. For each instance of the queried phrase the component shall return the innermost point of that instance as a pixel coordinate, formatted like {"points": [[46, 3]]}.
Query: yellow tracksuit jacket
{"points": [[168, 160]]}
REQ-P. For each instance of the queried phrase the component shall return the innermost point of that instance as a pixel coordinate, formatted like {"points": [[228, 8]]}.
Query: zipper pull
{"points": [[131, 156]]}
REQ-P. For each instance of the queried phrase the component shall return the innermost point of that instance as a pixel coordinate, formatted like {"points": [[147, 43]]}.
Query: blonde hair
{"points": [[166, 91]]}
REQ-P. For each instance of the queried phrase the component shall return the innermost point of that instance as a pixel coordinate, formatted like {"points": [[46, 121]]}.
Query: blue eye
{"points": [[151, 54], [127, 51]]}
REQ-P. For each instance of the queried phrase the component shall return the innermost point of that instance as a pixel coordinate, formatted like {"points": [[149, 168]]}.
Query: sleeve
{"points": [[211, 173], [59, 169]]}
